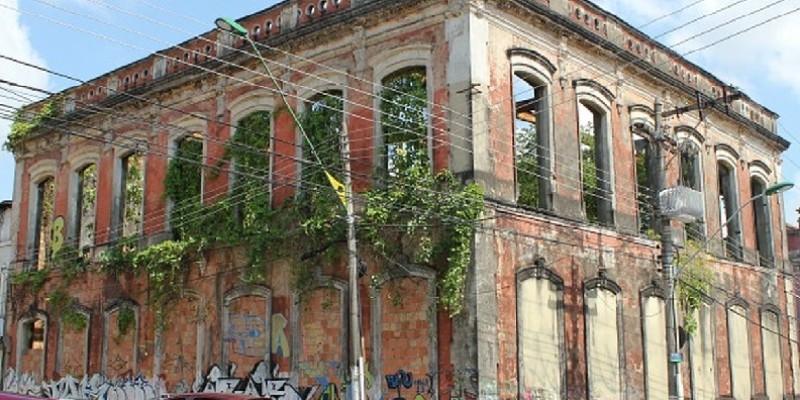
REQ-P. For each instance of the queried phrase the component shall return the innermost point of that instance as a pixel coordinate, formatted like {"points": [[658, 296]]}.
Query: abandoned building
{"points": [[173, 221]]}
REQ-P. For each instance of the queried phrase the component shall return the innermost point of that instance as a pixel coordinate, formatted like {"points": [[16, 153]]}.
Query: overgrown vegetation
{"points": [[23, 125], [694, 283], [413, 215], [64, 306]]}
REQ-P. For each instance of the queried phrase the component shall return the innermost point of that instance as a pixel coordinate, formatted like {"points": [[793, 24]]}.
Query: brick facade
{"points": [[598, 276]]}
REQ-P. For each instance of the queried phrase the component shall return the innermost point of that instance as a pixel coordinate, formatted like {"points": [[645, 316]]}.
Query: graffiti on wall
{"points": [[247, 335], [280, 342], [405, 384], [95, 387]]}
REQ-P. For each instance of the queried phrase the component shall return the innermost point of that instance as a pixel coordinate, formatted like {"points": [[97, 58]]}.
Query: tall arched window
{"points": [[42, 222], [692, 177], [322, 122], [728, 209], [404, 120], [761, 223], [531, 140], [533, 158], [249, 148], [85, 202], [127, 220], [184, 181], [594, 131]]}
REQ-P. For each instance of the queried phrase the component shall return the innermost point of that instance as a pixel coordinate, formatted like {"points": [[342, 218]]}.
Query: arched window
{"points": [[533, 161], [184, 181], [728, 209], [532, 158], [322, 122], [249, 148], [85, 202], [761, 223], [645, 168], [692, 177], [43, 221], [594, 131], [129, 201], [404, 120]]}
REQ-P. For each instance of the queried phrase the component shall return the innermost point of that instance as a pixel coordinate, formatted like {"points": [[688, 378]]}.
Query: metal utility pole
{"points": [[352, 262], [667, 257]]}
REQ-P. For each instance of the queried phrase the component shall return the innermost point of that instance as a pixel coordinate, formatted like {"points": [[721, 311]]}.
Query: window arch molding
{"points": [[642, 119], [685, 132], [727, 154], [386, 63], [310, 89], [605, 284], [758, 169], [255, 101]]}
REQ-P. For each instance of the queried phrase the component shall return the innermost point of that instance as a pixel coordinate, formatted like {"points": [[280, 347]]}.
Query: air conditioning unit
{"points": [[681, 203]]}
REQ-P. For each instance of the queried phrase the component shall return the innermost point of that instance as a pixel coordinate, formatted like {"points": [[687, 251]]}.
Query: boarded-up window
{"points": [[701, 347], [739, 347], [602, 344], [655, 347], [540, 322], [773, 371]]}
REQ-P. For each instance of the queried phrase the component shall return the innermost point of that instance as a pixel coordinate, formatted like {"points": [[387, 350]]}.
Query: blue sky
{"points": [[85, 38]]}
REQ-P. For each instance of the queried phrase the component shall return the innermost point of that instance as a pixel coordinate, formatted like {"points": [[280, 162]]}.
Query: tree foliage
{"points": [[695, 282]]}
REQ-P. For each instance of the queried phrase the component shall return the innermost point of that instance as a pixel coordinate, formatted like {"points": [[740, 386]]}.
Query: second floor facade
{"points": [[542, 115]]}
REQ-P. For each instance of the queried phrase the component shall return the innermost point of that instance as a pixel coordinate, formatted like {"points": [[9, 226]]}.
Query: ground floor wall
{"points": [[553, 311]]}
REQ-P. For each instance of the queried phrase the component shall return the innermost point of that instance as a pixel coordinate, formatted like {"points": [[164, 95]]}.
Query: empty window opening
{"points": [[728, 210], [532, 157], [86, 200], [595, 163], [323, 125], [256, 32], [404, 121], [184, 181], [45, 197], [34, 335], [250, 149], [761, 224], [692, 177], [645, 160], [131, 194]]}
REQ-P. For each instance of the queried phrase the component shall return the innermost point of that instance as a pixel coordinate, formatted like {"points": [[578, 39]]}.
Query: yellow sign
{"points": [[57, 238], [338, 187]]}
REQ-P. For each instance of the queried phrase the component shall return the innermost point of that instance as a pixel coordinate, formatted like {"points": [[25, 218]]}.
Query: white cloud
{"points": [[16, 44]]}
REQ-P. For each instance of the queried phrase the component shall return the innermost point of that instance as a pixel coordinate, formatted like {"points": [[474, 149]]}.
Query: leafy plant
{"points": [[126, 318], [119, 258], [32, 280], [63, 305], [23, 125], [70, 263], [695, 283]]}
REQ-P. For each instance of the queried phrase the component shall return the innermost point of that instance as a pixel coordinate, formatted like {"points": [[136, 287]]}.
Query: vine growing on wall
{"points": [[694, 283], [22, 125]]}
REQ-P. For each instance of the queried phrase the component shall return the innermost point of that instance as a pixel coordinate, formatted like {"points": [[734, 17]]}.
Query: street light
{"points": [[229, 25], [675, 356], [777, 188]]}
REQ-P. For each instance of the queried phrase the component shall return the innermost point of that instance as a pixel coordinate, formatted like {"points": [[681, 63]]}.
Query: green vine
{"points": [[63, 305], [31, 280], [70, 263], [126, 318], [694, 284], [23, 126], [119, 258]]}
